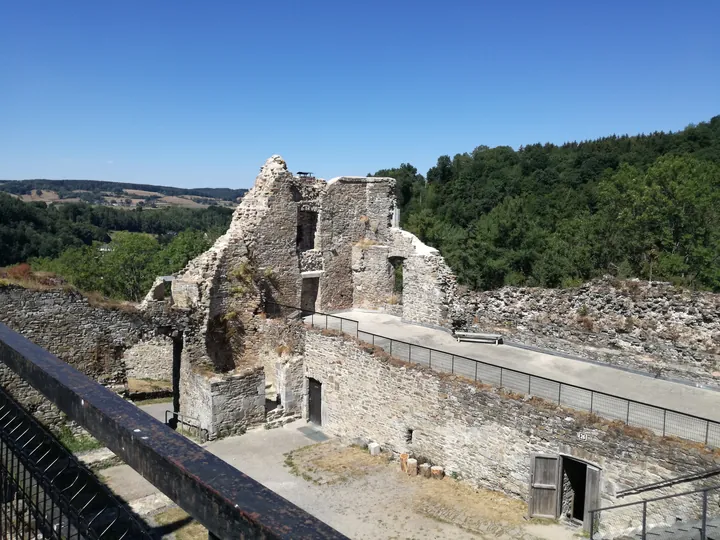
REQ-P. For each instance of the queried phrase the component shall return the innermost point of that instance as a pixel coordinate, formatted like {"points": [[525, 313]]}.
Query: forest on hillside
{"points": [[115, 252], [643, 206], [69, 188]]}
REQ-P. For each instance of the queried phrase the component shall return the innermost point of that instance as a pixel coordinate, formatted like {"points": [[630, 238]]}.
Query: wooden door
{"points": [[592, 494], [544, 474], [314, 401]]}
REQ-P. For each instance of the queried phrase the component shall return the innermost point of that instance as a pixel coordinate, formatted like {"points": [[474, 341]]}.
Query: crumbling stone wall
{"points": [[106, 343], [484, 435], [651, 327], [355, 212], [150, 359]]}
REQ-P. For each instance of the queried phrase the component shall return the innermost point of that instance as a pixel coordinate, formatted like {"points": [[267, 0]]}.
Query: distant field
{"points": [[117, 195]]}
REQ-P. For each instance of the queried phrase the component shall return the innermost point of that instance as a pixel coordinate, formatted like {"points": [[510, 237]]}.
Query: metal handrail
{"points": [[222, 498], [667, 483], [181, 418], [644, 503], [531, 377]]}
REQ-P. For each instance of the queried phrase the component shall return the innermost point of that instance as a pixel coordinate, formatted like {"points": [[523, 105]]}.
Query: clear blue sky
{"points": [[192, 93]]}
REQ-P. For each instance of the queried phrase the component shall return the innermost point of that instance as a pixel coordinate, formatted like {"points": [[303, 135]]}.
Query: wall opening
{"points": [[306, 227], [573, 487], [315, 401], [397, 267], [409, 436], [309, 294], [176, 360]]}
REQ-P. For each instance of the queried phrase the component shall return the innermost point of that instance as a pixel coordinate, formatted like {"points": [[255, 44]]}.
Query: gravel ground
{"points": [[361, 496]]}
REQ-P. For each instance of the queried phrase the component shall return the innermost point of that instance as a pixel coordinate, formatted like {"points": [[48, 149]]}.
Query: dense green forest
{"points": [[67, 188], [645, 206], [36, 230]]}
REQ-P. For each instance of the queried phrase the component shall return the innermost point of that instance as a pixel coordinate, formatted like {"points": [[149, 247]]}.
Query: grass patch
{"points": [[152, 401], [332, 463], [148, 386], [77, 443], [189, 529]]}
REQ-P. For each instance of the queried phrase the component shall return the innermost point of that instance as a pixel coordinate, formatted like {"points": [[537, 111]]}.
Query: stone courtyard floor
{"points": [[363, 497]]}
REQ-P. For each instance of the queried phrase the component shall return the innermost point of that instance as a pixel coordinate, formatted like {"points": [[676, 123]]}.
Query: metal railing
{"points": [[186, 425], [661, 421], [228, 503], [668, 483], [46, 493], [654, 518]]}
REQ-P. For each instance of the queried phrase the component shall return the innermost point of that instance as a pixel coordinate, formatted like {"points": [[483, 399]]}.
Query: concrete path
{"points": [[675, 396]]}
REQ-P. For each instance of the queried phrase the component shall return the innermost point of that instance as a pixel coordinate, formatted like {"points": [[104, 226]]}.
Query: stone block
{"points": [[403, 462], [425, 470], [412, 467], [374, 449], [437, 472]]}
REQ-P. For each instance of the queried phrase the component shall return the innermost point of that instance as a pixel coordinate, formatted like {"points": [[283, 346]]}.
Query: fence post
{"points": [[501, 372], [430, 359], [373, 341], [529, 382], [342, 330], [409, 352], [312, 320], [644, 525], [592, 395], [326, 320], [664, 420], [452, 365], [391, 347], [476, 371], [627, 418], [703, 531], [559, 392], [707, 430]]}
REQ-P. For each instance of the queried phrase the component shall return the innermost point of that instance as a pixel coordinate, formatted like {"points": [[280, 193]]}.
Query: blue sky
{"points": [[191, 93]]}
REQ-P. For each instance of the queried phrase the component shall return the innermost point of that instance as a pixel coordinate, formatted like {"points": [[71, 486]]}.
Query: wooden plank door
{"points": [[592, 494], [544, 474]]}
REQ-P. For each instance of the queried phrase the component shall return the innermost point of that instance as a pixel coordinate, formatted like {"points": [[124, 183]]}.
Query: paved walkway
{"points": [[675, 396]]}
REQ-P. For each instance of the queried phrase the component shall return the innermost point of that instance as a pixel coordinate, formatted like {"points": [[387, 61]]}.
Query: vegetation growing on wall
{"points": [[546, 215]]}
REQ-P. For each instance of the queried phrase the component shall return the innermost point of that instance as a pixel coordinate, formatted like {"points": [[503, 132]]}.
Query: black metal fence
{"points": [[653, 518], [220, 497], [46, 493], [665, 422]]}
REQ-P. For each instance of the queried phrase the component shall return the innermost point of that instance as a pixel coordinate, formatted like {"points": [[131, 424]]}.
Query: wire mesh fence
{"points": [[661, 421]]}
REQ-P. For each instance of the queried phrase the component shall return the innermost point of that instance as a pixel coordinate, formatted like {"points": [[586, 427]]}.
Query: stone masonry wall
{"points": [[150, 359], [483, 435], [655, 328], [104, 343]]}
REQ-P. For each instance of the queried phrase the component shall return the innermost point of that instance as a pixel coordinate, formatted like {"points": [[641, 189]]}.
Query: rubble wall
{"points": [[655, 328], [487, 437], [108, 344]]}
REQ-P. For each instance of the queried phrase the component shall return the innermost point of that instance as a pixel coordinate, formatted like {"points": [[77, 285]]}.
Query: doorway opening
{"points": [[573, 487], [315, 401], [176, 359], [397, 268], [306, 227], [309, 294], [563, 487]]}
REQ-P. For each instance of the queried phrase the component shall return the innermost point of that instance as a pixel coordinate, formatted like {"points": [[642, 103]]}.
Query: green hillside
{"points": [[644, 206]]}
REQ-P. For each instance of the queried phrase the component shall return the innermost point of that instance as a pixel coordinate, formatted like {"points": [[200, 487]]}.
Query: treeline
{"points": [[29, 230], [67, 188], [544, 215], [126, 267]]}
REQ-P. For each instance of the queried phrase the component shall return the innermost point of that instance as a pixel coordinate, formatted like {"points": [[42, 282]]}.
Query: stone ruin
{"points": [[294, 242]]}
